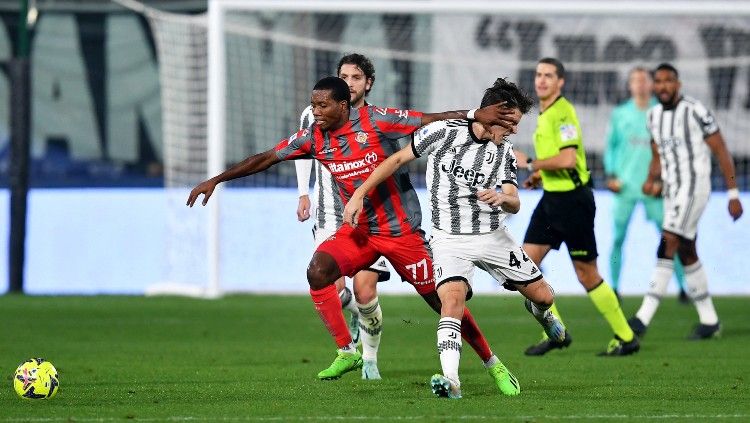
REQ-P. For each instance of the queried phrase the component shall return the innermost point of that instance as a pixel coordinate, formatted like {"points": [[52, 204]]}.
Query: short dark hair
{"points": [[338, 88], [559, 68], [668, 67], [361, 62], [508, 92]]}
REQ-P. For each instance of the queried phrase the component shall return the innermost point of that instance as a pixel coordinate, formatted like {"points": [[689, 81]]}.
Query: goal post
{"points": [[235, 79]]}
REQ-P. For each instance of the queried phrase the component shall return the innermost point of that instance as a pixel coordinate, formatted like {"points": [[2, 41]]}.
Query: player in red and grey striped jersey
{"points": [[359, 73], [351, 143]]}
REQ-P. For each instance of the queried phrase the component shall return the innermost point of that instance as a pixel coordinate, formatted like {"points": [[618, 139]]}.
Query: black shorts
{"points": [[565, 217]]}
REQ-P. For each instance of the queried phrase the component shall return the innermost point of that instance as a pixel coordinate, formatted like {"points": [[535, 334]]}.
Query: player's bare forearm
{"points": [[654, 167], [253, 164], [495, 114], [726, 164], [566, 159], [381, 173], [384, 170]]}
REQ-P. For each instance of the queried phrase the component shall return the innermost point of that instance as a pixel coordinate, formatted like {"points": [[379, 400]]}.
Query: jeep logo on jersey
{"points": [[470, 175], [361, 137], [369, 159], [670, 142]]}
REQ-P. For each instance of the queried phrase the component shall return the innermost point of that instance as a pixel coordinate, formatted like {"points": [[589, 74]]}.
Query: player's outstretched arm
{"points": [[253, 164], [354, 207], [495, 114], [716, 143], [507, 199]]}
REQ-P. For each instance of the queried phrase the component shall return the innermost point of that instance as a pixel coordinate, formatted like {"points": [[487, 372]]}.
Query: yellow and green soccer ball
{"points": [[36, 378]]}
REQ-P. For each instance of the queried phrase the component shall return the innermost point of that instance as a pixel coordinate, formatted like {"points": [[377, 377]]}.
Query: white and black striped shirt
{"points": [[679, 133], [458, 166], [328, 208]]}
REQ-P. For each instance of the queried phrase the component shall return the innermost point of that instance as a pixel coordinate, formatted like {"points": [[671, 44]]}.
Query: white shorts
{"points": [[380, 266], [497, 253], [681, 213]]}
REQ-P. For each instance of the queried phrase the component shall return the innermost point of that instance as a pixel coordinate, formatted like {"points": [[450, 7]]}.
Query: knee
{"points": [[687, 252], [667, 246], [321, 272], [453, 305], [546, 299], [364, 294], [365, 286], [453, 299], [587, 273]]}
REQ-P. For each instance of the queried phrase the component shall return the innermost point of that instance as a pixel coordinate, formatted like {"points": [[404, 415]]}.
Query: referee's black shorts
{"points": [[565, 217]]}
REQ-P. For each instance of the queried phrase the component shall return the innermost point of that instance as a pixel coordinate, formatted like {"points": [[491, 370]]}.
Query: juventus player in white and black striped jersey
{"points": [[366, 314], [684, 133], [471, 177]]}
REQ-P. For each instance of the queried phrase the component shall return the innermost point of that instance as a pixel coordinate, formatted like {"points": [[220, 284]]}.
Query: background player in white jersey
{"points": [[466, 163], [684, 134], [366, 315]]}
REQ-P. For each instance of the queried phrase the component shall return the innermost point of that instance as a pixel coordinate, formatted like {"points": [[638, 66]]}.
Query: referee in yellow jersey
{"points": [[566, 211]]}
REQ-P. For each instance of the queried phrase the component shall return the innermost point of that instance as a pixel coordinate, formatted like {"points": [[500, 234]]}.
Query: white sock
{"points": [[347, 301], [491, 361], [541, 315], [350, 348], [697, 284], [370, 328], [659, 280], [449, 347]]}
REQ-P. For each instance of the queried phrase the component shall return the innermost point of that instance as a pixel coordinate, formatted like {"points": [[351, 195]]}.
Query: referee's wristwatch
{"points": [[530, 165]]}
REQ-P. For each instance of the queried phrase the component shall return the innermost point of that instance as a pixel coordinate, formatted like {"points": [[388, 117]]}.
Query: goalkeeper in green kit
{"points": [[626, 161]]}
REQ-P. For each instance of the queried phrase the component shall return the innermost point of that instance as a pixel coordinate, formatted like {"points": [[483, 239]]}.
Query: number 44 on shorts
{"points": [[514, 262]]}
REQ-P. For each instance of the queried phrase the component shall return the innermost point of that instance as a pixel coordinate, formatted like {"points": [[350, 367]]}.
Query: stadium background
{"points": [[98, 111]]}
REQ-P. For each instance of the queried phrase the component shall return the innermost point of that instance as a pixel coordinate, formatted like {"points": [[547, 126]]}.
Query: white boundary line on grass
{"points": [[383, 418]]}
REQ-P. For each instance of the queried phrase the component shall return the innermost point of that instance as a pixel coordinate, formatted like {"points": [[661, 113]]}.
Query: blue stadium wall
{"points": [[114, 241]]}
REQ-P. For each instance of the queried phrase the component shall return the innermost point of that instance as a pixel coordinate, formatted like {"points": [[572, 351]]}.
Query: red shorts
{"points": [[357, 249]]}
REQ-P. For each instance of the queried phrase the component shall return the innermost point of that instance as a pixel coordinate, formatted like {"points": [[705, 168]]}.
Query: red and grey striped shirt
{"points": [[353, 151]]}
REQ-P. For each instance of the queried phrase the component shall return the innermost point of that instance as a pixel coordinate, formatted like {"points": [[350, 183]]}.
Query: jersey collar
{"points": [[551, 104], [473, 136], [672, 106]]}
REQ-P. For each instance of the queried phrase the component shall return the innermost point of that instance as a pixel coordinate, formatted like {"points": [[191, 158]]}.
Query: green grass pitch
{"points": [[254, 358]]}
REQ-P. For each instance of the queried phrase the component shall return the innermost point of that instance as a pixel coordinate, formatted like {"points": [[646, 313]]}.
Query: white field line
{"points": [[379, 418]]}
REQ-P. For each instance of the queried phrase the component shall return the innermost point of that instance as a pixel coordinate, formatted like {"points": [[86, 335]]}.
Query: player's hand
{"points": [[522, 158], [652, 188], [498, 114], [491, 197], [614, 185], [735, 209], [532, 181], [303, 208], [352, 210], [206, 188]]}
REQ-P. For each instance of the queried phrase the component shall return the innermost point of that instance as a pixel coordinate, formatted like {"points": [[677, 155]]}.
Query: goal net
{"points": [[234, 80]]}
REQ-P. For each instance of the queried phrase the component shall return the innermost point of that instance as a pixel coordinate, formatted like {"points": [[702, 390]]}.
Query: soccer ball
{"points": [[36, 379]]}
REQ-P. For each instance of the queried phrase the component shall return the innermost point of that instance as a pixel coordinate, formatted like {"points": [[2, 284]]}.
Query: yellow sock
{"points": [[605, 300], [554, 311]]}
